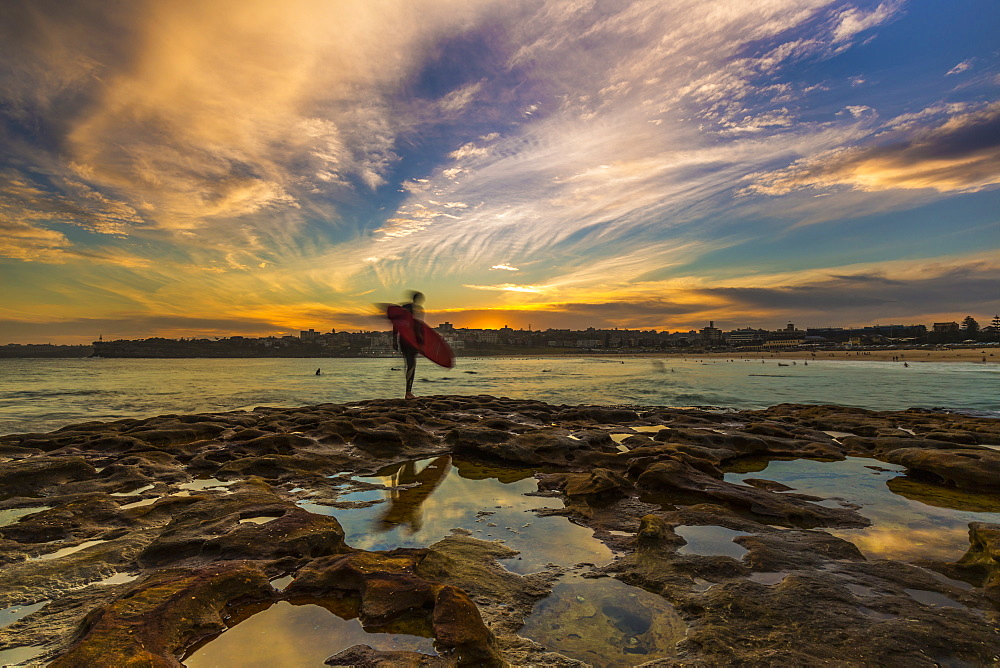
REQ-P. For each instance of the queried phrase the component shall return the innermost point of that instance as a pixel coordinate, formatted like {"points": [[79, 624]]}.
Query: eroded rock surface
{"points": [[202, 511]]}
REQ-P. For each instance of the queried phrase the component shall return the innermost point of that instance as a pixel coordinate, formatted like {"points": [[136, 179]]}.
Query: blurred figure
{"points": [[409, 352]]}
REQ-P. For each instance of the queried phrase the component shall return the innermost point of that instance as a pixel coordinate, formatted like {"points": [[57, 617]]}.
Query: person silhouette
{"points": [[410, 352]]}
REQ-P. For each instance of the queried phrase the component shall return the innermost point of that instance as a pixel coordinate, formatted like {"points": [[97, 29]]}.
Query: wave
{"points": [[41, 394]]}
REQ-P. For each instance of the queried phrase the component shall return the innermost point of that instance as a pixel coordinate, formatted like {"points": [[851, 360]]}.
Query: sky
{"points": [[208, 168]]}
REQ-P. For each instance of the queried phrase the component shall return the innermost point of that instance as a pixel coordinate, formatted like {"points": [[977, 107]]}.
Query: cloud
{"points": [[961, 67], [961, 154], [509, 287], [504, 267], [195, 111], [852, 21]]}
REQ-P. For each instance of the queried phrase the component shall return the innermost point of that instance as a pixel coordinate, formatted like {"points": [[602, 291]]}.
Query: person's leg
{"points": [[411, 370]]}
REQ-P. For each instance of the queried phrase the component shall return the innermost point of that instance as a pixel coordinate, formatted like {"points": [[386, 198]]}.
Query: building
{"points": [[711, 334], [945, 327]]}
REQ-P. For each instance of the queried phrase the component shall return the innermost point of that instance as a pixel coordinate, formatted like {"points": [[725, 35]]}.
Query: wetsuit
{"points": [[409, 352]]}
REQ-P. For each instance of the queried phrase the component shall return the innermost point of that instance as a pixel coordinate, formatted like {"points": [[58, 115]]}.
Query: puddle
{"points": [[432, 496], [134, 492], [116, 579], [861, 590], [67, 551], [933, 599], [279, 584], [911, 519], [655, 429], [875, 614], [202, 484], [260, 520], [364, 496], [702, 585], [15, 612], [286, 634], [768, 578], [16, 655], [140, 504], [12, 515], [605, 623], [711, 541]]}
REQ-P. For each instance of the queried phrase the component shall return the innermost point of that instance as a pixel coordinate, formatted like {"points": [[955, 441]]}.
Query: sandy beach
{"points": [[987, 354]]}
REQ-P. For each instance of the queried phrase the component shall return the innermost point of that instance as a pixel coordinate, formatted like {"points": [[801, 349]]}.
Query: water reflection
{"points": [[409, 487], [711, 541], [605, 623], [15, 612], [425, 499], [296, 634], [12, 515], [910, 519], [18, 655]]}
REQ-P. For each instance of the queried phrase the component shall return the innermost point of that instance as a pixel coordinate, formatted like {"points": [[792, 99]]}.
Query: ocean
{"points": [[45, 394]]}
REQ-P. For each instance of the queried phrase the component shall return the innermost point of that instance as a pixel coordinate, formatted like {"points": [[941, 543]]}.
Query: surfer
{"points": [[410, 352]]}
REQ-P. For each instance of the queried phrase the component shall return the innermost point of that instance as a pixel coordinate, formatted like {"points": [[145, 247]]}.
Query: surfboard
{"points": [[434, 348]]}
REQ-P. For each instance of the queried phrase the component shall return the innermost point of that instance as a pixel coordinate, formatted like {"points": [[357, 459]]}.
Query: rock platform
{"points": [[120, 494]]}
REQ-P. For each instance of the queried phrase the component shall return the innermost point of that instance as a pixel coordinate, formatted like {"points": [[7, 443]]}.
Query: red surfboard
{"points": [[434, 348]]}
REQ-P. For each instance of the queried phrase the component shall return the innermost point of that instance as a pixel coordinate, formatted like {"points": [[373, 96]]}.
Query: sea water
{"points": [[44, 394]]}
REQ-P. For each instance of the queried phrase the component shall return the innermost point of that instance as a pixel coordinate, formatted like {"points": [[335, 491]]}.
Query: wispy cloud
{"points": [[276, 161], [960, 154]]}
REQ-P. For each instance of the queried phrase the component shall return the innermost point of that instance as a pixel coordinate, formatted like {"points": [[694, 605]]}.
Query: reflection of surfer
{"points": [[409, 352], [405, 500]]}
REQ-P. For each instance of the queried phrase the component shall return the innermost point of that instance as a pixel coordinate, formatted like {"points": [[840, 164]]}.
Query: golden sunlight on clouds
{"points": [[219, 99], [961, 154]]}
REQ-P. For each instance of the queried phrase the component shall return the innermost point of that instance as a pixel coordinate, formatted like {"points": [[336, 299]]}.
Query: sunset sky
{"points": [[207, 168]]}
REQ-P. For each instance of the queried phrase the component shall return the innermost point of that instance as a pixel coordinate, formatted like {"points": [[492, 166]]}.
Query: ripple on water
{"points": [[605, 623], [425, 499], [296, 634]]}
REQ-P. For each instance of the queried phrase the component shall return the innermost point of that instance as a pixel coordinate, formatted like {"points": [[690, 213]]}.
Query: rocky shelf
{"points": [[140, 541]]}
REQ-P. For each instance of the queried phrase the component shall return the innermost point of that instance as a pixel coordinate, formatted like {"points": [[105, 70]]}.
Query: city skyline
{"points": [[196, 170]]}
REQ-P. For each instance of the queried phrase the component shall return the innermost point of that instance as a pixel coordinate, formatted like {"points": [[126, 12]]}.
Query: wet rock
{"points": [[599, 414], [208, 529], [655, 532], [599, 482], [363, 656], [29, 477], [983, 556], [676, 477], [390, 587], [977, 470], [797, 596], [156, 621]]}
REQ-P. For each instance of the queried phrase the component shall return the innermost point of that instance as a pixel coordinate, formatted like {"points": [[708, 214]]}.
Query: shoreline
{"points": [[978, 355]]}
